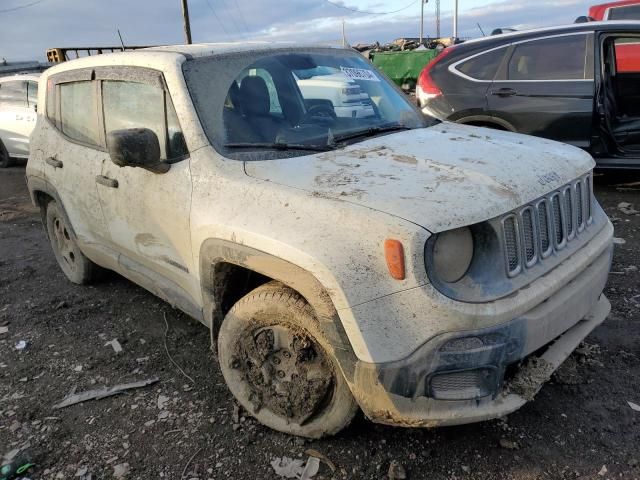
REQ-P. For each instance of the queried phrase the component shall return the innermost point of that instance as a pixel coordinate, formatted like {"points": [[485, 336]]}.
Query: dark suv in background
{"points": [[562, 83]]}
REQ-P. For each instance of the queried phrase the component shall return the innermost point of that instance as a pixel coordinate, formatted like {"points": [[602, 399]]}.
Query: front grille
{"points": [[511, 243], [465, 385], [580, 206], [528, 234], [543, 228], [533, 232]]}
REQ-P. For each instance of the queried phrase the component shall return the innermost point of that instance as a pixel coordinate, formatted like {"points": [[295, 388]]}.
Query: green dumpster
{"points": [[403, 67]]}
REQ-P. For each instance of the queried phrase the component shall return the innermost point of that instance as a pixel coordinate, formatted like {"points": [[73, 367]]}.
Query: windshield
{"points": [[285, 102]]}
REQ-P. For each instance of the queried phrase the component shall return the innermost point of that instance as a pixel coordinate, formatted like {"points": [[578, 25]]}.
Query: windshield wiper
{"points": [[281, 146], [370, 132]]}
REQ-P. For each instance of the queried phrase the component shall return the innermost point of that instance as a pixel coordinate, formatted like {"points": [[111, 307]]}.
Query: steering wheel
{"points": [[319, 112]]}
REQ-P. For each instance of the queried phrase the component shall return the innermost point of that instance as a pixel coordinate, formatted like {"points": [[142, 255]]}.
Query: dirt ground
{"points": [[579, 426]]}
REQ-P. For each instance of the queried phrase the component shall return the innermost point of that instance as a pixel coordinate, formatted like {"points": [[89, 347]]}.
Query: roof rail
{"points": [[59, 55]]}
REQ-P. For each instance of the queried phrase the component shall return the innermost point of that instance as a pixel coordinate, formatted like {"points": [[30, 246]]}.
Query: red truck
{"points": [[628, 49], [623, 10]]}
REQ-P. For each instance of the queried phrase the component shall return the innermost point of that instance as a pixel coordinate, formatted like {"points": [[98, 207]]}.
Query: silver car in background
{"points": [[18, 107]]}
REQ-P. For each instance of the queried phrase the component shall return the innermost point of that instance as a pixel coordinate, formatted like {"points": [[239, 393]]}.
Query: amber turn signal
{"points": [[394, 254]]}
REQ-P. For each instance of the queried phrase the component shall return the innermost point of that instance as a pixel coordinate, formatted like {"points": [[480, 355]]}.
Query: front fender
{"points": [[216, 253]]}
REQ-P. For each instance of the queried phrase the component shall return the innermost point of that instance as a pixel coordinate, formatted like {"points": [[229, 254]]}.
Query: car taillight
{"points": [[427, 88]]}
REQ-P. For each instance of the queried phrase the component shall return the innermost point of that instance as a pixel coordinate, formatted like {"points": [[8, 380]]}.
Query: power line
{"points": [[370, 13], [217, 18], [231, 16], [13, 9], [244, 22]]}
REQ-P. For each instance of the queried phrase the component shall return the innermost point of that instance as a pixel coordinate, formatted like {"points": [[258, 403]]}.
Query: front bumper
{"points": [[470, 366]]}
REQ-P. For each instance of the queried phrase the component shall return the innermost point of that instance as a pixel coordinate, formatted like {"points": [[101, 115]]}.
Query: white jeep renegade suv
{"points": [[428, 273]]}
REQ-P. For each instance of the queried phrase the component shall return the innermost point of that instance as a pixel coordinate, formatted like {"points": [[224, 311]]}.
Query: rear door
{"points": [[17, 117], [546, 88], [74, 151]]}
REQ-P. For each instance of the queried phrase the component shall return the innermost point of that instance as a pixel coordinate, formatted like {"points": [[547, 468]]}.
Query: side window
{"points": [[558, 58], [140, 105], [78, 115], [485, 66], [631, 12], [13, 94], [32, 93]]}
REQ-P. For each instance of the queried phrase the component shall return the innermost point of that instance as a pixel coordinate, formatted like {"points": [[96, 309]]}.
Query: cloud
{"points": [[27, 33]]}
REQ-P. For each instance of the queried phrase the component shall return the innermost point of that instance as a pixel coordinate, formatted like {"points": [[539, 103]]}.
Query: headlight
{"points": [[452, 254]]}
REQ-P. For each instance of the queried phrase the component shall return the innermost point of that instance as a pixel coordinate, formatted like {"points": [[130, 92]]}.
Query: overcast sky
{"points": [[25, 33]]}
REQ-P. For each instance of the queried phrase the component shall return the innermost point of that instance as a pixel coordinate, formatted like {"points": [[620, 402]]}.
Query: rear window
{"points": [[568, 57], [485, 66], [78, 112], [632, 12]]}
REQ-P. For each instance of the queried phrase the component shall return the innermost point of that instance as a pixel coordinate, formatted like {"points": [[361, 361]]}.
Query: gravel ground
{"points": [[579, 426]]}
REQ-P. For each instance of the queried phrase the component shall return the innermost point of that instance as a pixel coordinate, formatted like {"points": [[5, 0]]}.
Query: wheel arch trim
{"points": [[487, 119], [214, 252], [37, 185]]}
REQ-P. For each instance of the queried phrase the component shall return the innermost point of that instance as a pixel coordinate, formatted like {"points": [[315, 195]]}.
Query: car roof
{"points": [[210, 49], [168, 56], [560, 29]]}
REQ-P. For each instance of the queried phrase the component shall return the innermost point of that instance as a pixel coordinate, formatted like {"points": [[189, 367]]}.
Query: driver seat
{"points": [[255, 104]]}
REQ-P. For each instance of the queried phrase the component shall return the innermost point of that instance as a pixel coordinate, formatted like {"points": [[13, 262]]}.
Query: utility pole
{"points": [[438, 19], [185, 19], [344, 36], [455, 19]]}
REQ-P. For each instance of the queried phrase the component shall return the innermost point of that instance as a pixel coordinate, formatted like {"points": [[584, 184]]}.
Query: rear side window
{"points": [[632, 12], [78, 112], [559, 58], [13, 94], [139, 105], [483, 67]]}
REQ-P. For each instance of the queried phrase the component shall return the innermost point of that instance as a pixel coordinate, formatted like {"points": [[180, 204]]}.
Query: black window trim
{"points": [[453, 67]]}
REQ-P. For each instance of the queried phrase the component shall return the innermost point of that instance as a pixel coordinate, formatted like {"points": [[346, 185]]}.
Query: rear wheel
{"points": [[278, 366], [5, 159], [78, 268]]}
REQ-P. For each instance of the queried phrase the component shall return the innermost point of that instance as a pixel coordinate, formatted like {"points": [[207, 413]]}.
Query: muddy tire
{"points": [[5, 159], [278, 366], [77, 268]]}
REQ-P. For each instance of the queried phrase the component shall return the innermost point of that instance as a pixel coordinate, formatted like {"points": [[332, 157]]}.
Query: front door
{"points": [[147, 213], [547, 88]]}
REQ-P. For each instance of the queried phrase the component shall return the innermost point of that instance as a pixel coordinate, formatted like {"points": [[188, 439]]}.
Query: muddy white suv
{"points": [[428, 273]]}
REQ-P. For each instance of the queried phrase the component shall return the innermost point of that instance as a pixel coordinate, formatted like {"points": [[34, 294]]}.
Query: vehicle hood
{"points": [[441, 177]]}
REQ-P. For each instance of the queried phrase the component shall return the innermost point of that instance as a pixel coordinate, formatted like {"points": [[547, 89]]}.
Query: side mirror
{"points": [[136, 147]]}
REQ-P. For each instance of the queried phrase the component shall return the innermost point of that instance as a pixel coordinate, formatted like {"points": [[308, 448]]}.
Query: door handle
{"points": [[54, 162], [106, 181], [504, 92]]}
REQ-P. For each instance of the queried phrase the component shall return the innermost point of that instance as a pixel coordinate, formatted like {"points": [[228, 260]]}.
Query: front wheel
{"points": [[277, 364]]}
